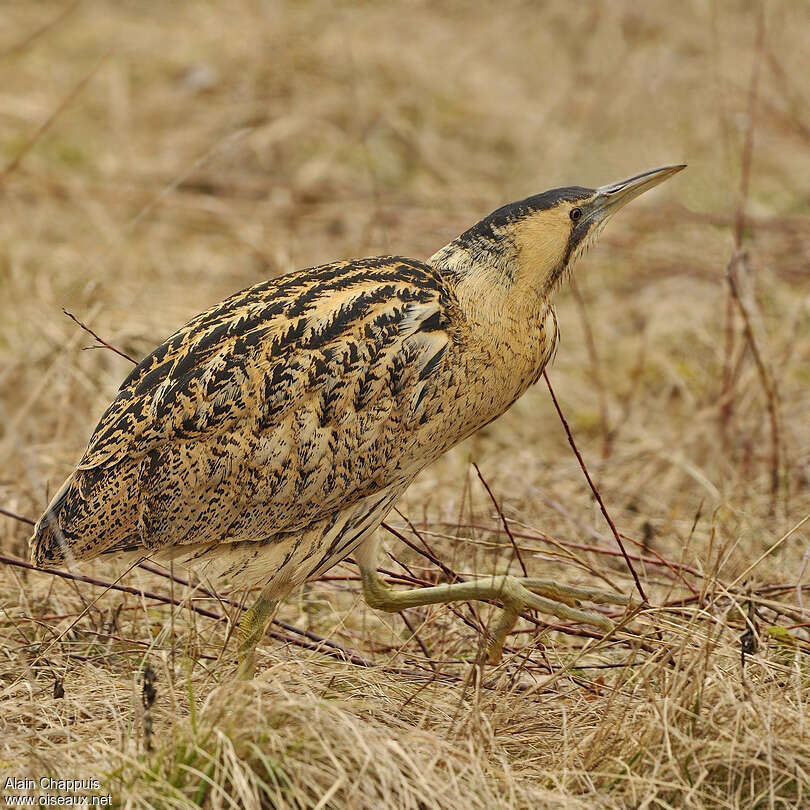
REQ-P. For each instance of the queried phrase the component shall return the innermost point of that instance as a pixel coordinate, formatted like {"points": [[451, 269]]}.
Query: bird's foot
{"points": [[515, 593]]}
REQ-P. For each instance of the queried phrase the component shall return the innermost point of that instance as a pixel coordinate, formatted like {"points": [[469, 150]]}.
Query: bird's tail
{"points": [[49, 545], [95, 510]]}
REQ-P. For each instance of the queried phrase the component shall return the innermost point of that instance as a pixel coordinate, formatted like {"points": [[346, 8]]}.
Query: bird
{"points": [[267, 439]]}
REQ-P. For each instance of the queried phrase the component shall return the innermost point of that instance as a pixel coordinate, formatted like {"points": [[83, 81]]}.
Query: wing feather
{"points": [[287, 402]]}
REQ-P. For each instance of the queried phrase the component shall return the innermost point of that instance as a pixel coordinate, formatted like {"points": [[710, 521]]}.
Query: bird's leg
{"points": [[252, 627], [515, 593], [506, 621]]}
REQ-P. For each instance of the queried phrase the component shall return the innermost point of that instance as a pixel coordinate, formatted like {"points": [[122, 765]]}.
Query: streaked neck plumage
{"points": [[504, 282]]}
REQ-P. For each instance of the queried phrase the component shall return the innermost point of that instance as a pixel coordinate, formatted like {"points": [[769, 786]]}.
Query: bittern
{"points": [[267, 439]]}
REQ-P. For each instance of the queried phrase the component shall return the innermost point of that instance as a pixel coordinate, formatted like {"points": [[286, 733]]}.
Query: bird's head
{"points": [[525, 248]]}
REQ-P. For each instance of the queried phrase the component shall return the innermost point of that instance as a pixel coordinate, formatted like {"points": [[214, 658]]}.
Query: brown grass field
{"points": [[155, 157]]}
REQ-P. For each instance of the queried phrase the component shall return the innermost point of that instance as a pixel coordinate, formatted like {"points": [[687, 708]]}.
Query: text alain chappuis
{"points": [[71, 792]]}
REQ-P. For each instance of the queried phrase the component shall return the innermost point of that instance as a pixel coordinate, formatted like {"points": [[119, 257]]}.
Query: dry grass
{"points": [[217, 144]]}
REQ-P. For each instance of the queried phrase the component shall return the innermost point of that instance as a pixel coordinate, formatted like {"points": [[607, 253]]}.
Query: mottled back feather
{"points": [[285, 403]]}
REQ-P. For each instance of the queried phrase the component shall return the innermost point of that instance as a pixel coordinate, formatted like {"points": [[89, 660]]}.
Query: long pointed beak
{"points": [[611, 198]]}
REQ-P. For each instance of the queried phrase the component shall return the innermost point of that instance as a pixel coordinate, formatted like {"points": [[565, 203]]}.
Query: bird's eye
{"points": [[575, 214]]}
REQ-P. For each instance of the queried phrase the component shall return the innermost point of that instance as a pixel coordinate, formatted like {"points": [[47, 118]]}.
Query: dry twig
{"points": [[595, 491], [102, 343], [503, 521]]}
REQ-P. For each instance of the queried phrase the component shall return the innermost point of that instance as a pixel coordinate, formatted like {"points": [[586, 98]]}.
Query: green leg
{"points": [[252, 627], [514, 593]]}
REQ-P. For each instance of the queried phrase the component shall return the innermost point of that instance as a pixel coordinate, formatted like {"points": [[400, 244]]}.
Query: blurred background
{"points": [[155, 157], [160, 156]]}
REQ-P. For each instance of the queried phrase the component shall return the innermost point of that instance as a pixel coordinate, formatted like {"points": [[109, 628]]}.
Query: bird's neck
{"points": [[493, 287]]}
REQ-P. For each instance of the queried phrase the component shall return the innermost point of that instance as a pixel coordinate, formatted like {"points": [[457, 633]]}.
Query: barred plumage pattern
{"points": [[267, 439], [270, 435]]}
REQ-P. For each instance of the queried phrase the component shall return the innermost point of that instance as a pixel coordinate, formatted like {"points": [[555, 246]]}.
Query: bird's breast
{"points": [[482, 376]]}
